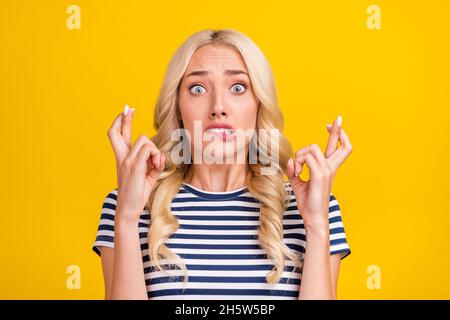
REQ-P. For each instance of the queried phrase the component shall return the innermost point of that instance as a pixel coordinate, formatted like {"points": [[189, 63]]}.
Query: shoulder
{"points": [[109, 205], [111, 198], [105, 231]]}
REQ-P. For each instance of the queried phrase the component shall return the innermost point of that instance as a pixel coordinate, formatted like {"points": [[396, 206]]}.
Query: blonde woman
{"points": [[178, 227]]}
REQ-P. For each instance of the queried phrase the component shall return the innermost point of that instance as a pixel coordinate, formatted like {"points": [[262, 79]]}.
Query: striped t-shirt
{"points": [[217, 240]]}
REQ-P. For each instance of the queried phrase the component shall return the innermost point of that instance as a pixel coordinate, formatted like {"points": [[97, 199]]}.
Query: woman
{"points": [[220, 230]]}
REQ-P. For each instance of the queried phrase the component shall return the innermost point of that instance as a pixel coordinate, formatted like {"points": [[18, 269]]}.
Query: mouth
{"points": [[224, 133]]}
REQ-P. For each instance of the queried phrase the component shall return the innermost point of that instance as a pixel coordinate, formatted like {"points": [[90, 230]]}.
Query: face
{"points": [[216, 91]]}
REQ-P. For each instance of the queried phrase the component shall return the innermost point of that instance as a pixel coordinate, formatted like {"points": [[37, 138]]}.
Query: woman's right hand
{"points": [[138, 167]]}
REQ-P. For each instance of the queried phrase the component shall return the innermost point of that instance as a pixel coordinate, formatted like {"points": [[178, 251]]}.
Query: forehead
{"points": [[216, 57]]}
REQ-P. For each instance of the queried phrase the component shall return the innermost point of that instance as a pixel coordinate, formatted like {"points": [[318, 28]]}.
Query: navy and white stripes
{"points": [[218, 242]]}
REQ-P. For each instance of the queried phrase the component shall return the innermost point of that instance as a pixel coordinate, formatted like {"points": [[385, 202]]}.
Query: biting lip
{"points": [[222, 130], [219, 126]]}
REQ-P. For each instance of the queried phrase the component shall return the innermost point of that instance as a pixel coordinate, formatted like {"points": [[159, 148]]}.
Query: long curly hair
{"points": [[268, 189]]}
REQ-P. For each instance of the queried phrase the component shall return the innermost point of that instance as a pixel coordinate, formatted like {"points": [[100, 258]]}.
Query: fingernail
{"points": [[339, 121], [161, 159], [329, 125], [299, 170], [125, 110], [295, 168]]}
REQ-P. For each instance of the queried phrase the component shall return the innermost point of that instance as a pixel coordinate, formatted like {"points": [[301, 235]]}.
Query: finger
{"points": [[313, 166], [290, 172], [333, 139], [298, 163], [140, 164], [150, 164], [157, 161], [126, 125], [299, 154], [345, 140], [319, 156], [139, 143], [115, 127], [315, 150], [302, 151], [114, 130], [290, 169], [341, 153], [298, 166], [116, 139], [162, 162]]}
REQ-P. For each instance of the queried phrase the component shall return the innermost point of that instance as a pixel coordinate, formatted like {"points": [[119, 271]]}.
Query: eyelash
{"points": [[198, 84]]}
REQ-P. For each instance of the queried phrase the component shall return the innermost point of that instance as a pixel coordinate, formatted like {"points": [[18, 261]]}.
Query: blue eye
{"points": [[197, 89], [239, 88]]}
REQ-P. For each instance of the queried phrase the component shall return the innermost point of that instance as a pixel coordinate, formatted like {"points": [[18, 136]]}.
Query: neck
{"points": [[217, 177]]}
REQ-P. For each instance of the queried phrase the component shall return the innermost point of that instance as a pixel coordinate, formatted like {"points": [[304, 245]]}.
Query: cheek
{"points": [[189, 111], [247, 112]]}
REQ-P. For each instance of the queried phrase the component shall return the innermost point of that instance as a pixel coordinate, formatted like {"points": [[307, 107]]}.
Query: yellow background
{"points": [[60, 89]]}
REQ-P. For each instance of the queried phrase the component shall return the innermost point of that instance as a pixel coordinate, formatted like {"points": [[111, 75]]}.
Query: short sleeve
{"points": [[105, 231], [338, 238]]}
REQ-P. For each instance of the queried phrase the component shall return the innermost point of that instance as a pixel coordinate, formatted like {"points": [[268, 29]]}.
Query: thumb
{"points": [[153, 174], [290, 171], [155, 171]]}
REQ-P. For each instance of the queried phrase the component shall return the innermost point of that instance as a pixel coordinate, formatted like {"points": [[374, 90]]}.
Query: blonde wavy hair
{"points": [[268, 189]]}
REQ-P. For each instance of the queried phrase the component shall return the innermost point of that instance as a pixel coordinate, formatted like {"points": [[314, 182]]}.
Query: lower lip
{"points": [[223, 135]]}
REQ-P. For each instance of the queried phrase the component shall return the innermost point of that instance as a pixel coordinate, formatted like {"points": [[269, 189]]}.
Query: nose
{"points": [[217, 109], [218, 114]]}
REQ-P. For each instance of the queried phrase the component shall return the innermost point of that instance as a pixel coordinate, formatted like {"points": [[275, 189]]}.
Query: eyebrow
{"points": [[204, 72]]}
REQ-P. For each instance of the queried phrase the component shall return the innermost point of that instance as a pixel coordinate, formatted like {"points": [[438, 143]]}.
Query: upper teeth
{"points": [[213, 130]]}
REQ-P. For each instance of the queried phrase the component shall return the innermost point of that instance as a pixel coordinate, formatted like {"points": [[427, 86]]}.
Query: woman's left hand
{"points": [[313, 196]]}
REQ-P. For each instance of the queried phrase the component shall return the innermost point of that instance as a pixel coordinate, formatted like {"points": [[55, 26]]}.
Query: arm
{"points": [[317, 258], [335, 265], [316, 282], [127, 269], [107, 255], [320, 271], [138, 168]]}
